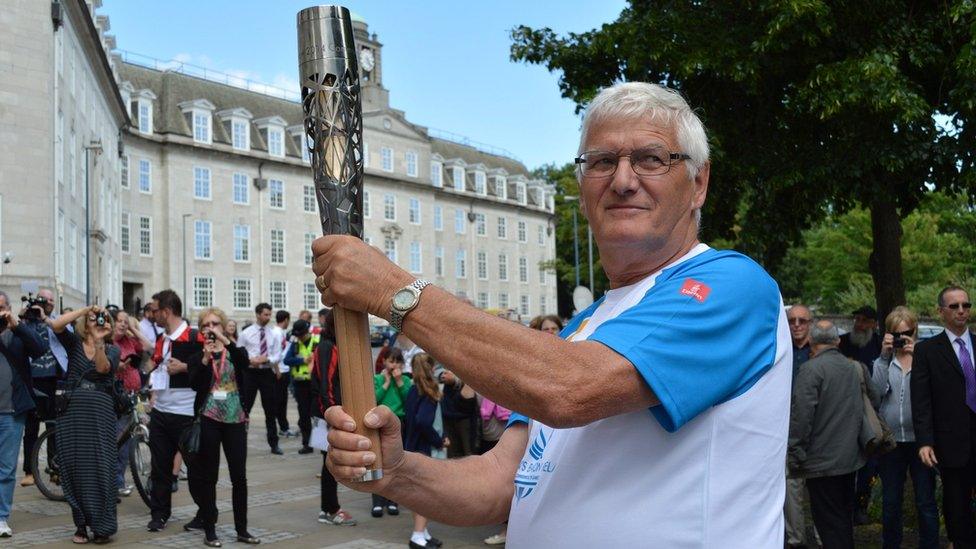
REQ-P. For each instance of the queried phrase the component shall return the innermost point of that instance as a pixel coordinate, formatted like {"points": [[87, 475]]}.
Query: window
{"points": [[459, 221], [435, 174], [502, 300], [202, 292], [480, 226], [541, 233], [460, 264], [71, 260], [202, 248], [386, 159], [72, 171], [482, 300], [438, 218], [123, 171], [241, 189], [242, 243], [309, 238], [523, 269], [390, 249], [480, 186], [414, 211], [439, 261], [520, 193], [524, 308], [482, 265], [502, 228], [123, 233], [306, 142], [278, 294], [415, 257], [310, 296], [521, 232], [201, 183], [277, 246], [308, 199], [389, 207], [458, 173], [59, 148], [411, 157], [542, 276], [365, 154], [201, 126], [241, 137], [60, 250], [276, 142], [276, 194], [502, 267], [367, 213], [145, 117], [145, 175], [542, 305], [501, 187], [242, 293], [145, 235]]}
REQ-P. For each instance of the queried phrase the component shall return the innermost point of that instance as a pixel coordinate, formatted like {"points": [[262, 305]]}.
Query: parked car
{"points": [[926, 331]]}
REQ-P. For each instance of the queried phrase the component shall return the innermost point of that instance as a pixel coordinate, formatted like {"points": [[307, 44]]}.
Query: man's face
{"points": [[631, 211], [159, 316], [150, 312], [864, 323], [263, 317], [49, 305], [954, 313], [799, 318], [306, 316]]}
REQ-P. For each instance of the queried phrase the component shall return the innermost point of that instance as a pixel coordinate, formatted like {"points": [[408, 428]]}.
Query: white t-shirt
{"points": [[706, 468], [174, 401], [282, 336]]}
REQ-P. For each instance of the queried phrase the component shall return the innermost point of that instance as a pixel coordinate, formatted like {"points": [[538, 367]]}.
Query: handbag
{"points": [[874, 438], [190, 437], [123, 405]]}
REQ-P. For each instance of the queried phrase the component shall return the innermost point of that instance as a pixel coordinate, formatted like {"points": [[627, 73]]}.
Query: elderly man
{"points": [[686, 448], [799, 318]]}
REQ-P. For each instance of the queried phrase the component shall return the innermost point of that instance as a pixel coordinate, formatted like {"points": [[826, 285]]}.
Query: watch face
{"points": [[403, 299]]}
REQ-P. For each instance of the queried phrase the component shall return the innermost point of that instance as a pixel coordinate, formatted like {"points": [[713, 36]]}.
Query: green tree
{"points": [[812, 107]]}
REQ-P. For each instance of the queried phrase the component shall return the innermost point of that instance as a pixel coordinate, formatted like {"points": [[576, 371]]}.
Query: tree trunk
{"points": [[885, 259]]}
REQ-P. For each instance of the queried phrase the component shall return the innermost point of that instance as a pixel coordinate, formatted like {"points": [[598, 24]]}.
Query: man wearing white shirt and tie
{"points": [[148, 323], [263, 344]]}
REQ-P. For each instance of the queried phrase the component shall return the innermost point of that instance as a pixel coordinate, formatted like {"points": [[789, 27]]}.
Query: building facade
{"points": [[62, 116], [217, 199]]}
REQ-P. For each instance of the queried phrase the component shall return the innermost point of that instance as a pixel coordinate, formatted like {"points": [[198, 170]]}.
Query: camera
{"points": [[899, 342], [102, 318], [211, 337], [31, 301]]}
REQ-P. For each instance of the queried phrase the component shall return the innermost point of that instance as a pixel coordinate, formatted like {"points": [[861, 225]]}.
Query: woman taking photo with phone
{"points": [[217, 375]]}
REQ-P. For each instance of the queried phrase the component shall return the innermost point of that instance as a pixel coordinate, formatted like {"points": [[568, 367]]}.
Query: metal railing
{"points": [[463, 140]]}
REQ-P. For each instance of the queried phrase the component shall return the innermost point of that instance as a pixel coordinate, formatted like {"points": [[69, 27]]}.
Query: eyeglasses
{"points": [[653, 160], [210, 324], [798, 321], [906, 333], [954, 306]]}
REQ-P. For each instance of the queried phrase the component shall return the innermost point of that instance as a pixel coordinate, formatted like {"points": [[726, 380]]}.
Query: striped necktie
{"points": [[264, 343]]}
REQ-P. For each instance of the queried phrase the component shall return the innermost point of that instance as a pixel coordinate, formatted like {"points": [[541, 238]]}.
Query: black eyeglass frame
{"points": [[673, 158]]}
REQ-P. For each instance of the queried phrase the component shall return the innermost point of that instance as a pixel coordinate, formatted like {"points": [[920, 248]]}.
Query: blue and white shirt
{"points": [[706, 467]]}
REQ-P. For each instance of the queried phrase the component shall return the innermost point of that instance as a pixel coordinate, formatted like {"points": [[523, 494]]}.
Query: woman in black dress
{"points": [[87, 429]]}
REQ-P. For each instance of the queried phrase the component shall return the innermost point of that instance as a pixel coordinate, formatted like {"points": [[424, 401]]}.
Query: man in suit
{"points": [[944, 412]]}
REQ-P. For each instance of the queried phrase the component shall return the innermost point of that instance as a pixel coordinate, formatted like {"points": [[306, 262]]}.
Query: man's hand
{"points": [[175, 366], [258, 360], [341, 260], [12, 319], [349, 453], [927, 455]]}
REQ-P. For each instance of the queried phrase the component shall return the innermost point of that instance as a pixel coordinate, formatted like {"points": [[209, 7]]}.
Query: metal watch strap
{"points": [[396, 317]]}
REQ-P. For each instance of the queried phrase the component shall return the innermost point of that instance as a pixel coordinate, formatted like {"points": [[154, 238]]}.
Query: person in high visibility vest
{"points": [[299, 359]]}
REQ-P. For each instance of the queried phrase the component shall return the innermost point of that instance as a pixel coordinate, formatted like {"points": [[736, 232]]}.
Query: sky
{"points": [[446, 64]]}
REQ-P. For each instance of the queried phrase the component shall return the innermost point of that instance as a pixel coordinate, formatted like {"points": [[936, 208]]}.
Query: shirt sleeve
{"points": [[703, 334], [516, 418]]}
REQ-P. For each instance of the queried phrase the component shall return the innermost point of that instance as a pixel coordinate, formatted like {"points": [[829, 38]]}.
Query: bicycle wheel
{"points": [[140, 462], [46, 474]]}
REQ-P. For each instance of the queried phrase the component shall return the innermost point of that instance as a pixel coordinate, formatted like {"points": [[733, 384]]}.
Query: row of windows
{"points": [[415, 262]]}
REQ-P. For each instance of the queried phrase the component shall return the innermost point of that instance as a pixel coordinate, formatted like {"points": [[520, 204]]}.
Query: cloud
{"points": [[283, 85]]}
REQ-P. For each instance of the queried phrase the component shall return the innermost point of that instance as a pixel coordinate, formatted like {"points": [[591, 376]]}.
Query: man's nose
{"points": [[625, 181]]}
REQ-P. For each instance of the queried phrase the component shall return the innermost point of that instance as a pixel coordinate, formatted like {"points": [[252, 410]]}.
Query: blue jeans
{"points": [[11, 431], [892, 468], [123, 461]]}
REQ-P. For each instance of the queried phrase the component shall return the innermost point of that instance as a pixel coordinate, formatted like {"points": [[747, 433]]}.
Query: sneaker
{"points": [[175, 487], [377, 511], [125, 492], [5, 531], [497, 539], [156, 525], [305, 450], [340, 518], [392, 509], [434, 542], [195, 524], [182, 474], [277, 451], [28, 480]]}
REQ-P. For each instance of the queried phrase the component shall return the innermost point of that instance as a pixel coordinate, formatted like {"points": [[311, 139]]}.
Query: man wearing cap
{"points": [[299, 359]]}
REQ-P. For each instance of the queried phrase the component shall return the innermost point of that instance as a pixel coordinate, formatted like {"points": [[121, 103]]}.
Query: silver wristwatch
{"points": [[404, 300]]}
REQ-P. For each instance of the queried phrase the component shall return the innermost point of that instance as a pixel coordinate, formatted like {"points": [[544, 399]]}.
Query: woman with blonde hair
{"points": [[87, 452], [217, 375], [424, 431], [892, 380]]}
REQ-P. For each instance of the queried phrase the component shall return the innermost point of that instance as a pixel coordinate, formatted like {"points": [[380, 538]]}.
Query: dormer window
{"points": [[480, 183], [435, 173], [272, 129], [143, 110], [520, 193], [501, 187], [276, 142], [458, 174], [201, 127], [237, 123], [300, 141], [540, 200], [199, 113]]}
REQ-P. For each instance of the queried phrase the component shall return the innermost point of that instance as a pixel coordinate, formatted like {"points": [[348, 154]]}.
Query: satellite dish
{"points": [[582, 298]]}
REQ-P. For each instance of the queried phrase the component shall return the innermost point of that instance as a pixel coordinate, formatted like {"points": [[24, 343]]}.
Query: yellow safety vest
{"points": [[303, 372]]}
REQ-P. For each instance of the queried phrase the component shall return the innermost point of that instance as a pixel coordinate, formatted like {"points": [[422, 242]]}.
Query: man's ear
{"points": [[701, 186]]}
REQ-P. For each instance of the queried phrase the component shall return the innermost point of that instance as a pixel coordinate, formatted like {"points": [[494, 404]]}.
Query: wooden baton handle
{"points": [[356, 378]]}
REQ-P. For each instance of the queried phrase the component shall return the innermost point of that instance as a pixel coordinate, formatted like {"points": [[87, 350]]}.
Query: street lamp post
{"points": [[185, 295], [96, 146], [575, 240]]}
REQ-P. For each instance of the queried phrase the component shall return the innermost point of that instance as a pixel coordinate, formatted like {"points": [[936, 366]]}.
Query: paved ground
{"points": [[283, 507]]}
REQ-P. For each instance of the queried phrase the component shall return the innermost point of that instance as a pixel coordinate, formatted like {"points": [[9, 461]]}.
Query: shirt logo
{"points": [[695, 289]]}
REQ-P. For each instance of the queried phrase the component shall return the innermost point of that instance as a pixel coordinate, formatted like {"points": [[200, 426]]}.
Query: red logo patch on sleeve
{"points": [[695, 289]]}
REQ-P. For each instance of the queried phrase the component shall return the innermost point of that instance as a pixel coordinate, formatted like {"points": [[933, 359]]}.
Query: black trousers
{"points": [[32, 427], [303, 395], [263, 380], [459, 431], [832, 507], [330, 489], [957, 489], [281, 400], [164, 439], [206, 465]]}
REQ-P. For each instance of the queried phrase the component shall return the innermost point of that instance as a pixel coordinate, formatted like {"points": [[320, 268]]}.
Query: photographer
{"points": [[18, 344], [45, 372], [133, 347]]}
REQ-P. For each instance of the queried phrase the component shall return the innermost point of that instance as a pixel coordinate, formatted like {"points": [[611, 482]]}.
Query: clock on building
{"points": [[366, 59]]}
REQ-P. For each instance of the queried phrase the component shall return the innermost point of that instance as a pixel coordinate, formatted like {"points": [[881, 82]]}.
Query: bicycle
{"points": [[44, 456]]}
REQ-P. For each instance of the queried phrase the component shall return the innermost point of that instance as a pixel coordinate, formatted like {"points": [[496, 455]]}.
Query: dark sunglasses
{"points": [[967, 305], [800, 321], [906, 333]]}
